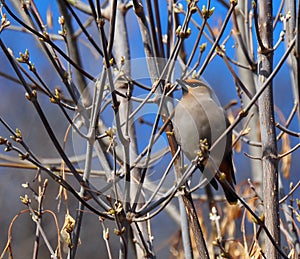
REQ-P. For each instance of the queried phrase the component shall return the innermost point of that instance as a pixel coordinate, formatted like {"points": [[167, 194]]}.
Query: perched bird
{"points": [[199, 118]]}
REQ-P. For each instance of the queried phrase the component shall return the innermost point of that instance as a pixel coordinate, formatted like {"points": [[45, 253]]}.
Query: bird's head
{"points": [[197, 87]]}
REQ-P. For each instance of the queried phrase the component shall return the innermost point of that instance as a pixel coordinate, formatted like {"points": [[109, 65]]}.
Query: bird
{"points": [[200, 119]]}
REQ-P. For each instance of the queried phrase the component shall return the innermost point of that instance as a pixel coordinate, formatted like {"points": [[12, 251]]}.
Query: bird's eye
{"points": [[193, 84]]}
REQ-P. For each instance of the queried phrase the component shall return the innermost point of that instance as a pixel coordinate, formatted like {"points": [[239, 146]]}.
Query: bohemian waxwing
{"points": [[199, 116]]}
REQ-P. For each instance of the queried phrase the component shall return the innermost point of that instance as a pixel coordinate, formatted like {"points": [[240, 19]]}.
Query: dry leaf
{"points": [[286, 160]]}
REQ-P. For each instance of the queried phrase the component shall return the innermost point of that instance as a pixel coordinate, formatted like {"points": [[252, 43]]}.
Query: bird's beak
{"points": [[184, 86], [180, 81]]}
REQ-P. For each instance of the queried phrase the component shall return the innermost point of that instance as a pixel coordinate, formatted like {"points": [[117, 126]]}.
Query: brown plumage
{"points": [[199, 116]]}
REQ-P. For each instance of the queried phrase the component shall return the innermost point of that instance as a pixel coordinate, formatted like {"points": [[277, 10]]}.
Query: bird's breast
{"points": [[197, 119]]}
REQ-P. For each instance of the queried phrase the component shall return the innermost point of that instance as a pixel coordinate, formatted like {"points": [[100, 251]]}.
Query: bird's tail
{"points": [[229, 192], [227, 182]]}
